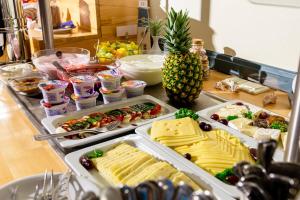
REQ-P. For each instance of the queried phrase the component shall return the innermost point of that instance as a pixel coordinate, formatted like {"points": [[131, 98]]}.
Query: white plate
{"points": [[26, 187], [206, 113], [230, 190], [51, 123], [144, 145]]}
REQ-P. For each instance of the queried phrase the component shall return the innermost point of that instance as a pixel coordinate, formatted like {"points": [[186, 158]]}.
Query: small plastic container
{"points": [[85, 102], [57, 109], [110, 96], [110, 79], [83, 85], [134, 88], [53, 91]]}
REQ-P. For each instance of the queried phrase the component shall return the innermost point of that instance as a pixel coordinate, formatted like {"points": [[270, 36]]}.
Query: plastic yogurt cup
{"points": [[83, 85], [134, 88], [53, 91], [59, 109], [110, 79], [110, 96], [85, 102]]}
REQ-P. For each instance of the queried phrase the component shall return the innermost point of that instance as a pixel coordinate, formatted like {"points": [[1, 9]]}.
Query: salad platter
{"points": [[129, 160], [131, 113], [251, 120], [212, 155]]}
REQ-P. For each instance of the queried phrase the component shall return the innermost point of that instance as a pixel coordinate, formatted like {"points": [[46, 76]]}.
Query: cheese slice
{"points": [[125, 164], [239, 123], [265, 134], [176, 127], [218, 151], [231, 110]]}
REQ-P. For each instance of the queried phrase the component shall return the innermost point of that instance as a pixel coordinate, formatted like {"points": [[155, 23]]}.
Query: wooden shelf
{"points": [[102, 19]]}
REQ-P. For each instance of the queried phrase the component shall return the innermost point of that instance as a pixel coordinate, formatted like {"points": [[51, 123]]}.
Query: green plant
{"points": [[156, 26]]}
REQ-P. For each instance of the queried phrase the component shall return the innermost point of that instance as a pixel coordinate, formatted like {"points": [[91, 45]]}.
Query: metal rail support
{"points": [[291, 153], [46, 23]]}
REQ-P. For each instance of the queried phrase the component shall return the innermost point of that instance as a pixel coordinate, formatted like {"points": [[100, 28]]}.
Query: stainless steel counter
{"points": [[32, 108]]}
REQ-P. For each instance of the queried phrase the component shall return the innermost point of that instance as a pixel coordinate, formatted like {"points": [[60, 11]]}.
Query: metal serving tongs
{"points": [[111, 126]]}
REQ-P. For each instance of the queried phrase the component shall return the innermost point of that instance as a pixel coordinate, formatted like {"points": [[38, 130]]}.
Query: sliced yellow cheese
{"points": [[214, 151], [126, 164], [177, 177], [176, 127]]}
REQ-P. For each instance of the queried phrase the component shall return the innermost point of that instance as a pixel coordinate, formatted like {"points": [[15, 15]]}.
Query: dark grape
{"points": [[187, 156], [207, 127], [223, 121], [232, 179], [263, 115], [215, 117], [86, 163], [239, 104], [202, 124]]}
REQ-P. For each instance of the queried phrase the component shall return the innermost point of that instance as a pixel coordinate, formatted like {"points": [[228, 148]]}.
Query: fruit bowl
{"points": [[145, 67], [108, 52], [64, 56]]}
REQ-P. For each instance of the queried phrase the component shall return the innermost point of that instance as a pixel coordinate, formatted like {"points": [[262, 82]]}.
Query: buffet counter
{"points": [[21, 156]]}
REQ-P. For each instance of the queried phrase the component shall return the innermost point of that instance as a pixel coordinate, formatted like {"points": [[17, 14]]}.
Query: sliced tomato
{"points": [[156, 110], [106, 120], [120, 118]]}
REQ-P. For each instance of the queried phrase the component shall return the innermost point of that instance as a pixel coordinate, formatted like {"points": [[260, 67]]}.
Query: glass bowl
{"points": [[28, 85], [64, 56], [15, 70]]}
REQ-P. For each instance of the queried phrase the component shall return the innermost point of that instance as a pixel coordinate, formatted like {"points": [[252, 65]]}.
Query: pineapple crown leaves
{"points": [[177, 35]]}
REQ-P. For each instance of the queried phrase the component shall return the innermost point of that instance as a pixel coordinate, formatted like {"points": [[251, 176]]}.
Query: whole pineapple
{"points": [[182, 70]]}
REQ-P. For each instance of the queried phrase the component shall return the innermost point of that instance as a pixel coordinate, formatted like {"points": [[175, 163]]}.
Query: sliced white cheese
{"points": [[239, 123], [232, 110], [264, 134]]}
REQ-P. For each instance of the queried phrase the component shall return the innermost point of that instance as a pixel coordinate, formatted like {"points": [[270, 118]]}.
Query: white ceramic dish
{"points": [[230, 190], [206, 113], [51, 123], [26, 187], [142, 144]]}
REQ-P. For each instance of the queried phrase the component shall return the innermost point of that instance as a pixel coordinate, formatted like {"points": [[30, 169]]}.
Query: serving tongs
{"points": [[111, 126], [269, 180]]}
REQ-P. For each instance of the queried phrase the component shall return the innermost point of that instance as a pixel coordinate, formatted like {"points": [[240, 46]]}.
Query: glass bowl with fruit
{"points": [[108, 52]]}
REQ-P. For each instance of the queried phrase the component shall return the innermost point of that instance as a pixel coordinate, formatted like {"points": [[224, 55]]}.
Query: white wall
{"points": [[262, 33]]}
